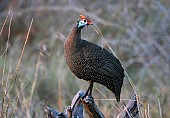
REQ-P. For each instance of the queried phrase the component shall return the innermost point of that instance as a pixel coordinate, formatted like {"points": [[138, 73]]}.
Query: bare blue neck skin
{"points": [[81, 24]]}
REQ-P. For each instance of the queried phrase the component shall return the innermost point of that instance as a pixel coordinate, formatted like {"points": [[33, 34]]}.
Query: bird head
{"points": [[84, 21]]}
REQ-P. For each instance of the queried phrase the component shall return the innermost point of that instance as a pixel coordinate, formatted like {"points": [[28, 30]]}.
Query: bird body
{"points": [[90, 62]]}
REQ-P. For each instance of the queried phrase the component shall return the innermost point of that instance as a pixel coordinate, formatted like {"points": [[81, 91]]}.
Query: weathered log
{"points": [[75, 110], [79, 102], [92, 108], [51, 113]]}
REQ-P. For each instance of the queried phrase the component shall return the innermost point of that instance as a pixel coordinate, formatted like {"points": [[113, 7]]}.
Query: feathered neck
{"points": [[74, 36]]}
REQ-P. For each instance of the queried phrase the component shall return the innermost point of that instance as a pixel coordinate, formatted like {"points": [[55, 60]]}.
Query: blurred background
{"points": [[138, 32]]}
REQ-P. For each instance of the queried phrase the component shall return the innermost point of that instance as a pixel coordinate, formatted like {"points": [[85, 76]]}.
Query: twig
{"points": [[35, 79], [107, 99], [48, 54], [132, 108], [23, 49], [160, 109], [3, 72], [5, 21]]}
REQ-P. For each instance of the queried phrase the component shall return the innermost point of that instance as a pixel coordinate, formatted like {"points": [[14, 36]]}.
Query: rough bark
{"points": [[79, 103]]}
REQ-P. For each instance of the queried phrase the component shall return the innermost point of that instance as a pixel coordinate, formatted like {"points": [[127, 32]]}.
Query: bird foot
{"points": [[89, 99], [87, 95], [84, 96]]}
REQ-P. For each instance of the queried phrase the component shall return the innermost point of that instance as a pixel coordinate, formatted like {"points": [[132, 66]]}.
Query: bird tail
{"points": [[117, 98]]}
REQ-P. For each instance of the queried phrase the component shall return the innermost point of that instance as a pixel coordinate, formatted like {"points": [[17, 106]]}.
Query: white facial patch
{"points": [[82, 23]]}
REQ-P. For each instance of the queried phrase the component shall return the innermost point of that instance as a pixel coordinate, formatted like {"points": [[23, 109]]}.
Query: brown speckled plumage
{"points": [[89, 61]]}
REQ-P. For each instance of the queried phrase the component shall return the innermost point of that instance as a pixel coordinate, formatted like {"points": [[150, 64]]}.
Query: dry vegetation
{"points": [[37, 75]]}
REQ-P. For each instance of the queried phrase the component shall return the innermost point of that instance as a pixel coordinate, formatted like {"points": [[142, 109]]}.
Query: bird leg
{"points": [[89, 89]]}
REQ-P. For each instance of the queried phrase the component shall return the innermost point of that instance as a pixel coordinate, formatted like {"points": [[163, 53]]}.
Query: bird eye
{"points": [[85, 20]]}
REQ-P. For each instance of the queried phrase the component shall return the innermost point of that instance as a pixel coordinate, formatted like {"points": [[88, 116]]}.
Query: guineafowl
{"points": [[91, 62]]}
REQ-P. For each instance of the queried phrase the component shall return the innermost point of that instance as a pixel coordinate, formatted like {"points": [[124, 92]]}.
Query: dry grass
{"points": [[33, 68]]}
